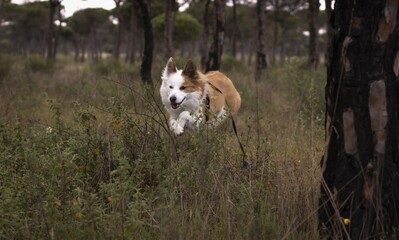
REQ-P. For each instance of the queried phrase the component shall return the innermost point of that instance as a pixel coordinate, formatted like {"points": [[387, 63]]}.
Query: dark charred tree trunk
{"points": [[168, 31], [146, 63], [216, 51], [328, 19], [313, 13], [359, 191], [118, 38], [235, 30], [260, 55], [204, 46]]}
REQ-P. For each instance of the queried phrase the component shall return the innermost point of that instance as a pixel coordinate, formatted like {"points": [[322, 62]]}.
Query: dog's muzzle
{"points": [[175, 104]]}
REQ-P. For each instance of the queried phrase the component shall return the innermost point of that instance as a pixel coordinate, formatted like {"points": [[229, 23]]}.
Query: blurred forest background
{"points": [[85, 147]]}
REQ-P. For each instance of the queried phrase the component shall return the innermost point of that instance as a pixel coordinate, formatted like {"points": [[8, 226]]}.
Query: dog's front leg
{"points": [[176, 127], [178, 124]]}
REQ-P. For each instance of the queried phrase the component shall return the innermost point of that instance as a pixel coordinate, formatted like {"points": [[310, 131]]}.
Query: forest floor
{"points": [[86, 153]]}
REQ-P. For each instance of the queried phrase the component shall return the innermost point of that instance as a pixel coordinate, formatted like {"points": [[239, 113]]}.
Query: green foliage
{"points": [[197, 9], [29, 20], [126, 11], [246, 20], [86, 20], [66, 32], [186, 27], [28, 16]]}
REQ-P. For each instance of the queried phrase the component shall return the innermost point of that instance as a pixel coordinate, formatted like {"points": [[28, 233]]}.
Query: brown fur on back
{"points": [[229, 95]]}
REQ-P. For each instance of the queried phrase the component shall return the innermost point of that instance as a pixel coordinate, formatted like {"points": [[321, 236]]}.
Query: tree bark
{"points": [[131, 53], [313, 14], [56, 37], [359, 190], [328, 19], [235, 29], [118, 38], [275, 35], [168, 31], [204, 46], [216, 51], [260, 55], [146, 63], [50, 32], [76, 47]]}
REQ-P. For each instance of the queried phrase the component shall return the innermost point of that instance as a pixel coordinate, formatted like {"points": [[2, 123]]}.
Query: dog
{"points": [[192, 97]]}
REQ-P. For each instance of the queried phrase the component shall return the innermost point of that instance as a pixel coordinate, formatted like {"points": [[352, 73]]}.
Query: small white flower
{"points": [[49, 130]]}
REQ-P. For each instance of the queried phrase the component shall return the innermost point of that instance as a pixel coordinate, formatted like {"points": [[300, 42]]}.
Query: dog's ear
{"points": [[170, 67], [190, 70]]}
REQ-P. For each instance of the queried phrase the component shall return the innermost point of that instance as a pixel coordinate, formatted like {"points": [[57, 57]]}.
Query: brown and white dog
{"points": [[192, 98]]}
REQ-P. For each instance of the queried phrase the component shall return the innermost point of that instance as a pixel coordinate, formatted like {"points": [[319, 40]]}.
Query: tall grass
{"points": [[86, 153]]}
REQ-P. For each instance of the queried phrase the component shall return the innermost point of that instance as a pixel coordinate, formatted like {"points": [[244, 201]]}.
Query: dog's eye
{"points": [[171, 87], [182, 87]]}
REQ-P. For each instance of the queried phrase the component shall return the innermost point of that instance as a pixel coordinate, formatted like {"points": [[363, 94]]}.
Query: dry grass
{"points": [[118, 173]]}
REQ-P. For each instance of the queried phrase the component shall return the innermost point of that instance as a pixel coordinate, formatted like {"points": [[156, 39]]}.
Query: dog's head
{"points": [[179, 87]]}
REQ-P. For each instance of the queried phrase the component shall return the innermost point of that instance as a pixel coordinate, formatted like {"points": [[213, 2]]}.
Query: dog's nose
{"points": [[172, 99]]}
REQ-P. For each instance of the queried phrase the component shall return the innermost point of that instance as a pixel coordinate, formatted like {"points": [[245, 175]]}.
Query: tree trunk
{"points": [[130, 56], [359, 191], [328, 18], [275, 35], [260, 55], [76, 47], [119, 30], [169, 23], [235, 29], [146, 63], [83, 49], [313, 14], [56, 37], [215, 53], [250, 51], [51, 34], [204, 46]]}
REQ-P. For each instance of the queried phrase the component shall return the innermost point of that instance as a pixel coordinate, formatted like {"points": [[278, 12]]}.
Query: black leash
{"points": [[245, 163]]}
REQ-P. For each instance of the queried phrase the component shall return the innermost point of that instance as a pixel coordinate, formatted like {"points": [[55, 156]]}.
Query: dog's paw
{"points": [[178, 130], [176, 127]]}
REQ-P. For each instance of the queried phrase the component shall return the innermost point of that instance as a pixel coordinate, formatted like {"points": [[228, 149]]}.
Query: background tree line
{"points": [[94, 33]]}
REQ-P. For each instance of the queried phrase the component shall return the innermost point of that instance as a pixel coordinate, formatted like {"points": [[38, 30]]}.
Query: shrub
{"points": [[231, 64], [36, 64], [112, 67], [5, 66]]}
